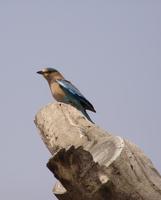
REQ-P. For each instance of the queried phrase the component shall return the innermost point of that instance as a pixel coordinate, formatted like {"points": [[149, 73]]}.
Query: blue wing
{"points": [[71, 90]]}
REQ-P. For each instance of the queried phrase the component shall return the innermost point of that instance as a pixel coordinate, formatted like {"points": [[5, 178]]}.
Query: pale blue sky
{"points": [[109, 49]]}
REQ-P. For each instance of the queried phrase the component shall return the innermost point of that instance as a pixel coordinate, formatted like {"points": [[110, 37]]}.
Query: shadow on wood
{"points": [[91, 163]]}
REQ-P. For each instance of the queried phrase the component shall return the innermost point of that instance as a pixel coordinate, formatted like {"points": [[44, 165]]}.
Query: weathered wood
{"points": [[92, 164]]}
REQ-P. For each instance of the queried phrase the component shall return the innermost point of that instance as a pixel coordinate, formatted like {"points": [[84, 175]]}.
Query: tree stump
{"points": [[92, 164]]}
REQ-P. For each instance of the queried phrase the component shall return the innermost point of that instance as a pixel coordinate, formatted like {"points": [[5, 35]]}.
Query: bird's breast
{"points": [[57, 92]]}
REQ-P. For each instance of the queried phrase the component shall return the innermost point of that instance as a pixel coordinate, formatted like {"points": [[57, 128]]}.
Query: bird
{"points": [[64, 91]]}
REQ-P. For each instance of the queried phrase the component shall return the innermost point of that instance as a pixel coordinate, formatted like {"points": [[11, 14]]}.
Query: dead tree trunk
{"points": [[92, 164]]}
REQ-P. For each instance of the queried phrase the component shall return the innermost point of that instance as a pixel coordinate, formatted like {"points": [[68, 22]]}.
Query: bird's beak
{"points": [[40, 72]]}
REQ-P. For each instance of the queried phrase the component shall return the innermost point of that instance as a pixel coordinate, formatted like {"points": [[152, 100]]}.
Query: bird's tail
{"points": [[87, 116], [84, 112]]}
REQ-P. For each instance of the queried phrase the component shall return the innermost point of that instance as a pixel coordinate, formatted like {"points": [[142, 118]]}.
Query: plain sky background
{"points": [[111, 50]]}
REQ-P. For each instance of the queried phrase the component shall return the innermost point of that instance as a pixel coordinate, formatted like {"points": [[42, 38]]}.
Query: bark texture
{"points": [[92, 164]]}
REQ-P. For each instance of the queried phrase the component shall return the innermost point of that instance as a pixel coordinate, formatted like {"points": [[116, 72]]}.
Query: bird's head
{"points": [[50, 74]]}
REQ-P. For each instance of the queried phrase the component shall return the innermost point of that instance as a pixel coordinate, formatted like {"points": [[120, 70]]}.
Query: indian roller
{"points": [[64, 91]]}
